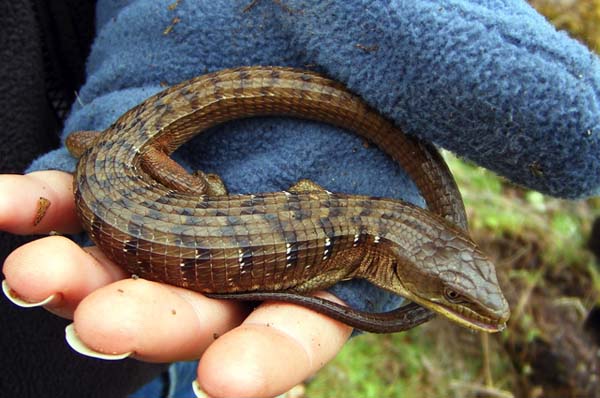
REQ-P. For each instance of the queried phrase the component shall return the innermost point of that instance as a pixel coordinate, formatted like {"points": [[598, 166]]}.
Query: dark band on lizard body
{"points": [[151, 217]]}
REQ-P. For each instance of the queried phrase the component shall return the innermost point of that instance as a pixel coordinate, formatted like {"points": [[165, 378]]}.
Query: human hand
{"points": [[244, 353]]}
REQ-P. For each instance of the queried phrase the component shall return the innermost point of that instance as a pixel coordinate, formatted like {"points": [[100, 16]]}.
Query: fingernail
{"points": [[76, 344], [14, 297], [197, 391]]}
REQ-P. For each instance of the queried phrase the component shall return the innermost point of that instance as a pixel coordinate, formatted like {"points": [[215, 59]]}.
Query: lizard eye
{"points": [[452, 295]]}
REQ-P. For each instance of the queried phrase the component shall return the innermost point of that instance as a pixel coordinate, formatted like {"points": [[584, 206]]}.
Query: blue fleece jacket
{"points": [[490, 80]]}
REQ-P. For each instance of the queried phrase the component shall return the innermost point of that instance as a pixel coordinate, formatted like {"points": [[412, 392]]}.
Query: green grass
{"points": [[381, 366]]}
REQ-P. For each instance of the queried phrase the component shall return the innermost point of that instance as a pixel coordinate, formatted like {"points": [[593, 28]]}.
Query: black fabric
{"points": [[43, 46]]}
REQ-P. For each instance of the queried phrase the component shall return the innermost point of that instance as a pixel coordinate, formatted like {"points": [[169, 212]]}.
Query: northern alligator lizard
{"points": [[161, 223]]}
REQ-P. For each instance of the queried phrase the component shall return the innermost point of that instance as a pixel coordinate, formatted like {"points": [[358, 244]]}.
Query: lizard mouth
{"points": [[466, 317], [471, 319]]}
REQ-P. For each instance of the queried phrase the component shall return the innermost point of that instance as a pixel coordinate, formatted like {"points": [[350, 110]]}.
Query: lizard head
{"points": [[450, 275]]}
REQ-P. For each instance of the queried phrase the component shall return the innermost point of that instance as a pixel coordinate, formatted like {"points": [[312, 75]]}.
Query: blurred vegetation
{"points": [[581, 18], [538, 244], [551, 281]]}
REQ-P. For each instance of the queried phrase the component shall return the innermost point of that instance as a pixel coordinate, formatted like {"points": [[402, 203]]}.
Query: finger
{"points": [[37, 203], [158, 323], [278, 346], [57, 266]]}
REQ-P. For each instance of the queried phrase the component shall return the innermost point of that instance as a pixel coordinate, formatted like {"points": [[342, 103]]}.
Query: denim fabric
{"points": [[177, 383]]}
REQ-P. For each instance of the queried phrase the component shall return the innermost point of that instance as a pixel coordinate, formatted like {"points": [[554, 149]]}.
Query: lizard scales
{"points": [[138, 211]]}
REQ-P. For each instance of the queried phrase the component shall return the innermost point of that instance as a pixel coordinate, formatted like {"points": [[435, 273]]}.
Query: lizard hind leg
{"points": [[322, 281], [171, 174], [215, 185], [304, 185]]}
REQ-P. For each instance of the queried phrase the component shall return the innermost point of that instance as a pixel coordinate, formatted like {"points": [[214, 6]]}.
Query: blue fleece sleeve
{"points": [[489, 80]]}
